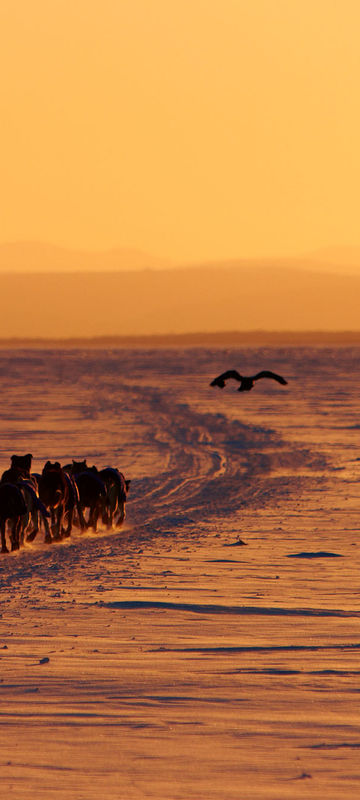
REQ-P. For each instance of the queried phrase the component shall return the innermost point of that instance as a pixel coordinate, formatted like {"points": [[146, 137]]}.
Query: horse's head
{"points": [[79, 466], [22, 463], [52, 466]]}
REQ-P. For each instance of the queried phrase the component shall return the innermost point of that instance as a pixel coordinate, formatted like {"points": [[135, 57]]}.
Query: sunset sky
{"points": [[190, 129]]}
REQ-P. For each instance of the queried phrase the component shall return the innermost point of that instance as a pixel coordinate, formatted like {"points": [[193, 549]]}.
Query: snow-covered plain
{"points": [[167, 660]]}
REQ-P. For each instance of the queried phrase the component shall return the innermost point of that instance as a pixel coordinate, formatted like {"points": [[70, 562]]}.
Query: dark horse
{"points": [[117, 488], [12, 508], [92, 491], [54, 494], [20, 475]]}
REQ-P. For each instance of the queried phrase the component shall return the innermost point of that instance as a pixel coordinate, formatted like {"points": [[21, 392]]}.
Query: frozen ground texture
{"points": [[166, 660]]}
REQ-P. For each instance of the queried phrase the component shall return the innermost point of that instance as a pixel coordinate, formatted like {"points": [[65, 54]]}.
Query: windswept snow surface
{"points": [[168, 659]]}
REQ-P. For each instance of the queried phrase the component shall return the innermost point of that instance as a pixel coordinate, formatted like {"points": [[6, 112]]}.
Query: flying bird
{"points": [[246, 383]]}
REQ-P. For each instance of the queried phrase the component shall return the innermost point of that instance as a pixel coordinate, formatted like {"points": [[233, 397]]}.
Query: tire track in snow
{"points": [[214, 465]]}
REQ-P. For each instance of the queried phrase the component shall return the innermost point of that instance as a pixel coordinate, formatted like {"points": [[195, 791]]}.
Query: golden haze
{"points": [[193, 130]]}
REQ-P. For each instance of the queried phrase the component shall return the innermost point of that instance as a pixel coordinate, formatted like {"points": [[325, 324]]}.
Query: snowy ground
{"points": [[167, 660]]}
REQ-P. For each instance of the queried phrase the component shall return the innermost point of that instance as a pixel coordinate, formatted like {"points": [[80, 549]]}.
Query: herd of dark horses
{"points": [[58, 498]]}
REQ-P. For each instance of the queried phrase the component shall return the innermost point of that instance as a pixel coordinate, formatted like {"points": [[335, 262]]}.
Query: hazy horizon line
{"points": [[192, 339]]}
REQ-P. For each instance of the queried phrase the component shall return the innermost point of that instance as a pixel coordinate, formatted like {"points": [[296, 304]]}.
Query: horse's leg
{"points": [[25, 519], [55, 523], [122, 513], [12, 535], [82, 521], [4, 549], [60, 517], [15, 533], [111, 506], [90, 523], [19, 534], [33, 533], [68, 516], [106, 512], [34, 515], [52, 517], [48, 537], [94, 516]]}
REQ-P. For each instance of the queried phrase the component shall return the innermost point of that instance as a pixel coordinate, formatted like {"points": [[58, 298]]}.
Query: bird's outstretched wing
{"points": [[267, 374], [220, 380]]}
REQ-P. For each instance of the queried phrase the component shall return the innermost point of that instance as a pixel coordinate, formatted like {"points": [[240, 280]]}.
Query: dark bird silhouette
{"points": [[245, 383]]}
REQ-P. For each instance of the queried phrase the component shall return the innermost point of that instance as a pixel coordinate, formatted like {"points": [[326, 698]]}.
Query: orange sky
{"points": [[187, 128]]}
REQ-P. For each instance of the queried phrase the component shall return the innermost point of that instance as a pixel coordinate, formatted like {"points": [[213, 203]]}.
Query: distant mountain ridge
{"points": [[32, 257]]}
